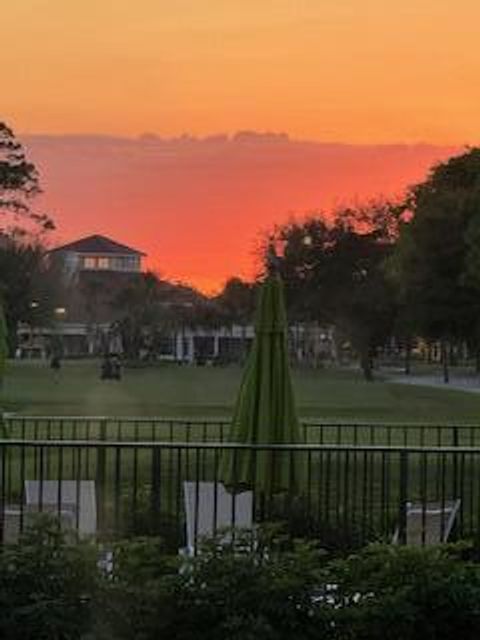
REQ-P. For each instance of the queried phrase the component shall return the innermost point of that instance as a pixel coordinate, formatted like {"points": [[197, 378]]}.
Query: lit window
{"points": [[103, 263], [89, 263]]}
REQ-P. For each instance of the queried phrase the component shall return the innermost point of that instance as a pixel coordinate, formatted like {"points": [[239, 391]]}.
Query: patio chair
{"points": [[209, 508], [78, 498], [428, 523]]}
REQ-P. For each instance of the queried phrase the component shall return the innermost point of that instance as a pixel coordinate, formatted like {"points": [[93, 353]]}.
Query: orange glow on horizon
{"points": [[358, 72], [198, 208]]}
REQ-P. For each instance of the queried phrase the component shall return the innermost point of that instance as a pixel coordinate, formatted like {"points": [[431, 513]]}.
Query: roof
{"points": [[98, 244]]}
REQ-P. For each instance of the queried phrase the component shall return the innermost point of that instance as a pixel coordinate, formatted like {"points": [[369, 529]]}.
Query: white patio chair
{"points": [[75, 497], [209, 508], [429, 523]]}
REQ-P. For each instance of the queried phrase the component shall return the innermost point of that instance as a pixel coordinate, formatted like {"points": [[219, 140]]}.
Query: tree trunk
{"points": [[244, 343], [429, 353], [336, 347], [408, 357], [366, 364], [446, 372], [12, 339], [452, 355]]}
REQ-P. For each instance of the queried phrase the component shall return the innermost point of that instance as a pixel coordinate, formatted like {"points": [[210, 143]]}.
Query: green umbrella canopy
{"points": [[265, 409]]}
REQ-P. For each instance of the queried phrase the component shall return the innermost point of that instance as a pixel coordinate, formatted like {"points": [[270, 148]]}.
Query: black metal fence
{"points": [[350, 495], [154, 429]]}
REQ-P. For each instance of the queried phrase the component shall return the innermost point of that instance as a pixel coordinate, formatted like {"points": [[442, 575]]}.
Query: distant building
{"points": [[96, 269], [98, 253]]}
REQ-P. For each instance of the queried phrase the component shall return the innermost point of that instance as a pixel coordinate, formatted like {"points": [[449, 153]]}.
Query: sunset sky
{"points": [[359, 72]]}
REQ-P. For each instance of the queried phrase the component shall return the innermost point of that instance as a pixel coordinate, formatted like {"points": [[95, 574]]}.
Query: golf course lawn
{"points": [[175, 391]]}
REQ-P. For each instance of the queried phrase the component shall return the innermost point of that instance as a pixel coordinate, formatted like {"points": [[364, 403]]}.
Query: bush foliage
{"points": [[269, 587]]}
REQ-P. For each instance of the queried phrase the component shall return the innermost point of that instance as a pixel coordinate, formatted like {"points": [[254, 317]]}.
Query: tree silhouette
{"points": [[3, 345], [19, 183]]}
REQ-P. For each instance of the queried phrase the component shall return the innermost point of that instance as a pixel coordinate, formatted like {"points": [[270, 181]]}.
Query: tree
{"points": [[435, 265], [22, 256], [360, 297], [30, 285], [236, 305], [147, 306], [138, 304], [19, 183], [3, 345], [335, 273]]}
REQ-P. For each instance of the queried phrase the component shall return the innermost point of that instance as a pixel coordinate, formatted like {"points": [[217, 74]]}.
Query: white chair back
{"points": [[209, 508], [76, 497]]}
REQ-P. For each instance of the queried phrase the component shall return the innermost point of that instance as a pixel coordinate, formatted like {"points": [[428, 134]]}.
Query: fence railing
{"points": [[350, 494], [153, 429]]}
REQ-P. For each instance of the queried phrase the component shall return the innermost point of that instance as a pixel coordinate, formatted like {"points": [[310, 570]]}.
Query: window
{"points": [[96, 262]]}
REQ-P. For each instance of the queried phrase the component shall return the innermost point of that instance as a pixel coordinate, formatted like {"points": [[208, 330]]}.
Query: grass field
{"points": [[343, 486], [175, 391]]}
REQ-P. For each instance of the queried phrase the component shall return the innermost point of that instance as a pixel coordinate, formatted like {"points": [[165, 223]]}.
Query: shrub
{"points": [[138, 599], [225, 592], [240, 593], [271, 586], [46, 586], [406, 593]]}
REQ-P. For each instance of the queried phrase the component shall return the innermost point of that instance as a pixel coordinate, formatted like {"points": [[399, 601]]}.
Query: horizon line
{"points": [[240, 136]]}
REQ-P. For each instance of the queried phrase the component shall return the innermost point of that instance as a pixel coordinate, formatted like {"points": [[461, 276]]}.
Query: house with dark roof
{"points": [[99, 253], [96, 271]]}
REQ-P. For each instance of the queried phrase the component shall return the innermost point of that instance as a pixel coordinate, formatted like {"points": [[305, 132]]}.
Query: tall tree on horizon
{"points": [[22, 252], [19, 183], [435, 265], [334, 273], [3, 344], [30, 286]]}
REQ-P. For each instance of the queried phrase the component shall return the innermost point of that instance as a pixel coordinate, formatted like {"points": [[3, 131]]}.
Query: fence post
{"points": [[101, 473], [402, 526], [155, 494], [2, 491], [455, 465]]}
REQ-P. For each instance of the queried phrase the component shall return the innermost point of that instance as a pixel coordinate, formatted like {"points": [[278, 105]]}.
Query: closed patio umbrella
{"points": [[265, 410]]}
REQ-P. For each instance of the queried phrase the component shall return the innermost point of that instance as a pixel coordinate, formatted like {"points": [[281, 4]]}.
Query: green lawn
{"points": [[342, 484], [176, 391]]}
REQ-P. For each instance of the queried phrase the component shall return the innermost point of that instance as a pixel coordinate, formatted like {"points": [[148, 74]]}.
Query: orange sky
{"points": [[361, 72], [197, 207], [343, 70]]}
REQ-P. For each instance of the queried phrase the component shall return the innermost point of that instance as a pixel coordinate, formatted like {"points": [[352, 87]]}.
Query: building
{"points": [[94, 270], [98, 253]]}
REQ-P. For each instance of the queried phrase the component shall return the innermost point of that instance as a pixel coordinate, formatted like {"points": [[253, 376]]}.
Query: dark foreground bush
{"points": [[275, 589], [226, 592], [405, 593], [46, 586]]}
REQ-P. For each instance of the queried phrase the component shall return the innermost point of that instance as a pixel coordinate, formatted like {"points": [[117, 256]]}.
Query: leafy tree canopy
{"points": [[436, 265], [334, 272], [3, 344], [19, 183]]}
